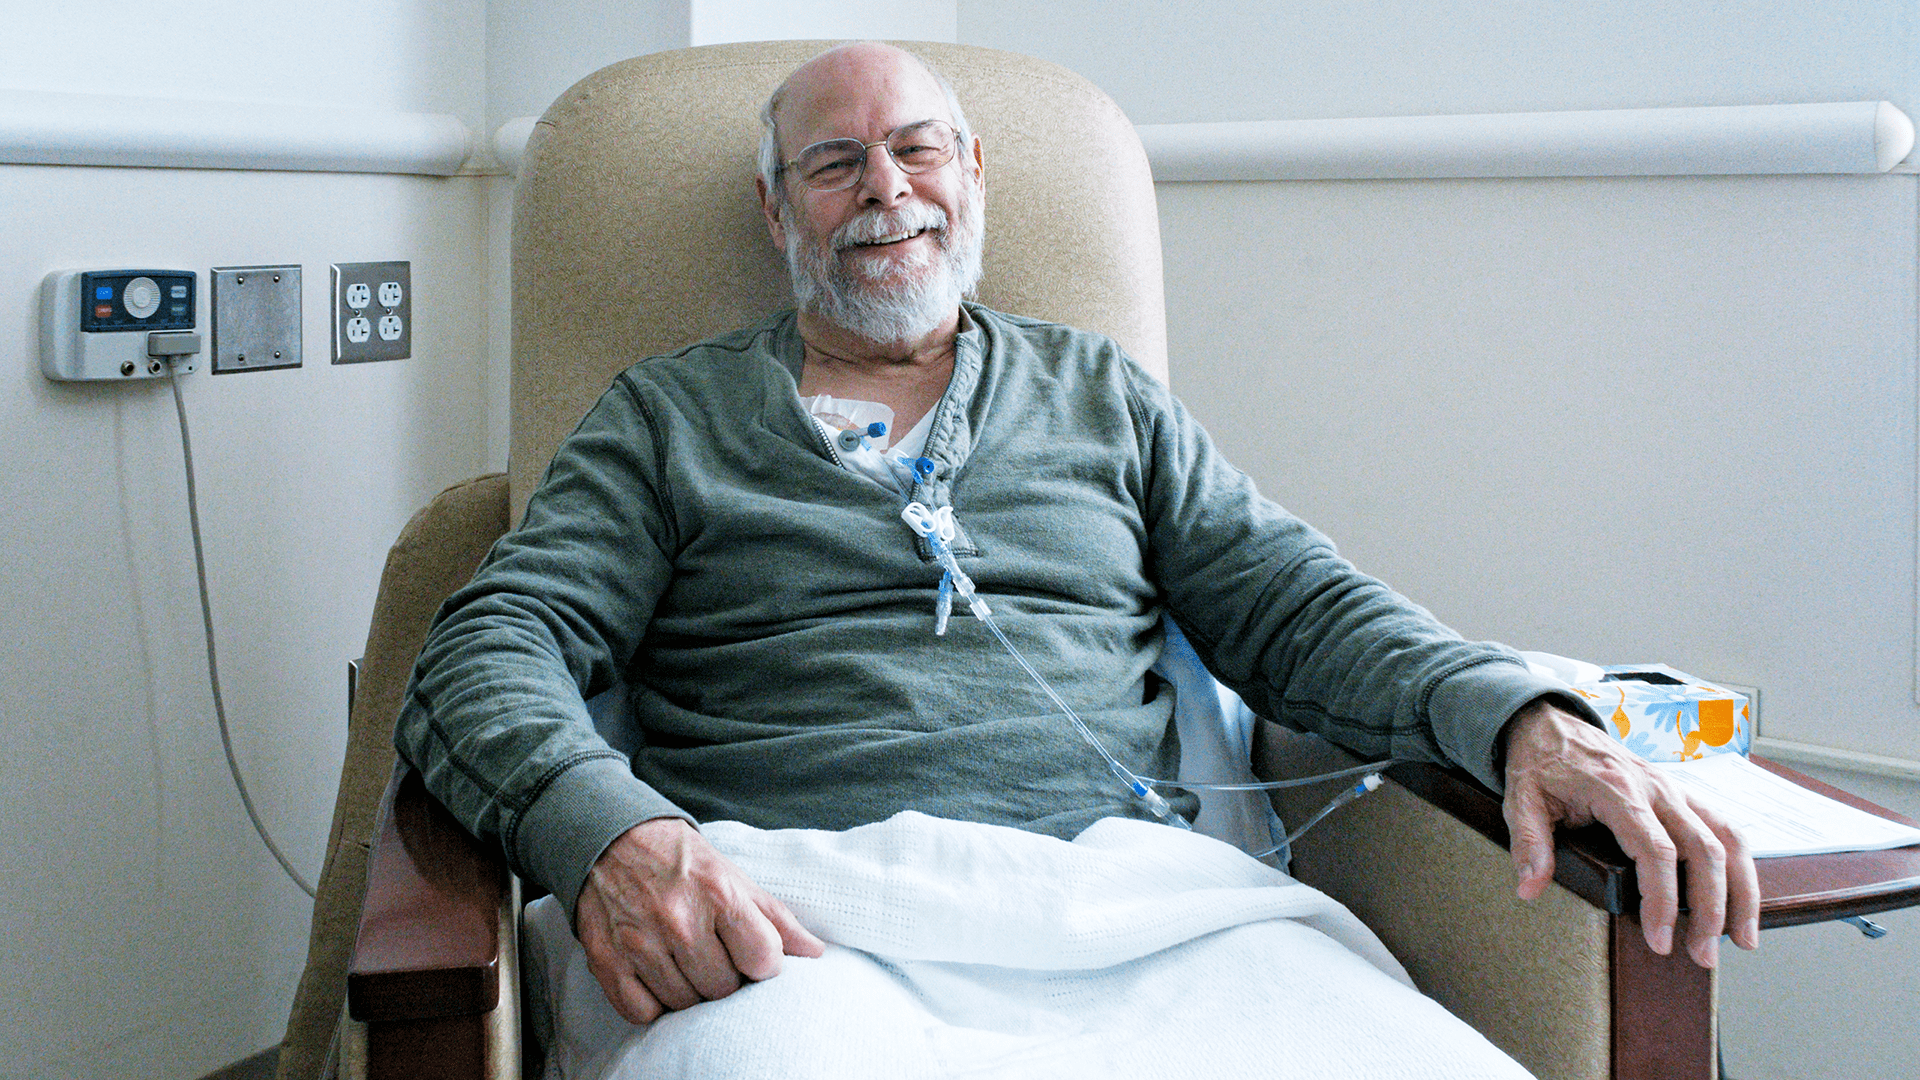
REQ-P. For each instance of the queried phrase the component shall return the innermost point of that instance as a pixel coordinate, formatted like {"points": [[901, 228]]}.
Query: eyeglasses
{"points": [[838, 164]]}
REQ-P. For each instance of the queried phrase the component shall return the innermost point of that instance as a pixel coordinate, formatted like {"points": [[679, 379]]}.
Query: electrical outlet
{"points": [[372, 311], [256, 318]]}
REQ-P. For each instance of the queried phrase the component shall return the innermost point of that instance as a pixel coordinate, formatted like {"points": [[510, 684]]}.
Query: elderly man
{"points": [[742, 564]]}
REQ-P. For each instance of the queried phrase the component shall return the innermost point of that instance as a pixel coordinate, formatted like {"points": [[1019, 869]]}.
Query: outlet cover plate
{"points": [[372, 311], [256, 318]]}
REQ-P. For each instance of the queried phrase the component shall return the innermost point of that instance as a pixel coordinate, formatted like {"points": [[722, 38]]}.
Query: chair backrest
{"points": [[636, 229]]}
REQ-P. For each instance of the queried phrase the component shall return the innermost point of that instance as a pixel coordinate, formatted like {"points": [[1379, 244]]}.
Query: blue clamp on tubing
{"points": [[923, 466], [876, 429], [943, 604]]}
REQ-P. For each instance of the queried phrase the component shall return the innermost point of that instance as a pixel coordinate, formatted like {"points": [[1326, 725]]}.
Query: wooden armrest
{"points": [[1586, 861], [428, 945], [1793, 890]]}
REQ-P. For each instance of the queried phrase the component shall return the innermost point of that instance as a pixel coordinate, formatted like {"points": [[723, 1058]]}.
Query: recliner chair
{"points": [[636, 231]]}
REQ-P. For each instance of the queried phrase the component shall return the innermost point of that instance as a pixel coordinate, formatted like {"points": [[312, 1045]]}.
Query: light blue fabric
{"points": [[1216, 747]]}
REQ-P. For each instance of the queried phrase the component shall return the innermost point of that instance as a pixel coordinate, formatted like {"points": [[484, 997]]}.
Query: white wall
{"points": [[415, 55], [536, 50], [1290, 59], [716, 21], [148, 932], [1650, 419], [1629, 419]]}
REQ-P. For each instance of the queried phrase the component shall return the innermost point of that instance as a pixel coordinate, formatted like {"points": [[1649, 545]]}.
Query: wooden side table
{"points": [[1663, 1006]]}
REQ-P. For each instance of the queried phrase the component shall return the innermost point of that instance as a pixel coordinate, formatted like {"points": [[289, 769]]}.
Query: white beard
{"points": [[902, 303]]}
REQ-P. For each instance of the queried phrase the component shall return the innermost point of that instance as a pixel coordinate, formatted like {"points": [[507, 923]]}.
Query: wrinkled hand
{"points": [[668, 922], [1561, 769]]}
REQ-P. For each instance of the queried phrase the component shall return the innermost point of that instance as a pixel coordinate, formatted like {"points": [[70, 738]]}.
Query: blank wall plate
{"points": [[256, 318], [372, 311]]}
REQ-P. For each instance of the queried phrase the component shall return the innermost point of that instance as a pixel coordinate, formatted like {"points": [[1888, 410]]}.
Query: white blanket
{"points": [[960, 949]]}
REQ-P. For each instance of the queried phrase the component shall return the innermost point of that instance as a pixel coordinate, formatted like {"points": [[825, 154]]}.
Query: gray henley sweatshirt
{"points": [[771, 617]]}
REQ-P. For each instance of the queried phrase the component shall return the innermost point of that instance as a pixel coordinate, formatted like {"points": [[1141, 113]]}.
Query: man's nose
{"points": [[883, 182]]}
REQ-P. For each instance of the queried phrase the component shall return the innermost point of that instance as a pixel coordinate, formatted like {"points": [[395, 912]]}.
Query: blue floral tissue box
{"points": [[1659, 713]]}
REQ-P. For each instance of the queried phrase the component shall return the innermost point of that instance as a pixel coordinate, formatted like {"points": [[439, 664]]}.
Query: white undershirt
{"points": [[882, 459], [914, 441]]}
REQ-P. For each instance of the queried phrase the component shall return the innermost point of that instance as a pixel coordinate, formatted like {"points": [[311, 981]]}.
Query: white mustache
{"points": [[877, 226]]}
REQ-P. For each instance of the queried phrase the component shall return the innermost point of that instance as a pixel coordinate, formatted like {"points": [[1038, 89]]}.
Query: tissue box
{"points": [[1667, 715]]}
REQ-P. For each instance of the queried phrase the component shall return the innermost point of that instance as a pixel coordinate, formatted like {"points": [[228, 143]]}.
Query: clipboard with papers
{"points": [[1780, 817]]}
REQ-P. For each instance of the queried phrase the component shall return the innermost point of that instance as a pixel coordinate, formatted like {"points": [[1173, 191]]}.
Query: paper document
{"points": [[1778, 816]]}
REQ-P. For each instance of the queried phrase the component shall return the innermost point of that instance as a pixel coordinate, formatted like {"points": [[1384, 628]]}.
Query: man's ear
{"points": [[770, 207], [979, 163]]}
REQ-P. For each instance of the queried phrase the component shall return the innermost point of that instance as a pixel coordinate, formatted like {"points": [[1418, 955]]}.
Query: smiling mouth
{"points": [[884, 241]]}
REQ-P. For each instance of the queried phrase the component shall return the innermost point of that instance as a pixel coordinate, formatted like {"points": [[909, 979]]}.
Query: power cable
{"points": [[206, 621]]}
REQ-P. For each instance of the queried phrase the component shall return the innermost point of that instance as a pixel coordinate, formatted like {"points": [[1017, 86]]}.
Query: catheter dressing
{"points": [[937, 528]]}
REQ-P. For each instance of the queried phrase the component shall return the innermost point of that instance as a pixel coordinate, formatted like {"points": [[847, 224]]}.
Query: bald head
{"points": [[850, 74]]}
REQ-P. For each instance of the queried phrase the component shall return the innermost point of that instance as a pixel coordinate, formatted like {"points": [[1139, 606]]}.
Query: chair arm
{"points": [[429, 928], [433, 975], [1422, 862]]}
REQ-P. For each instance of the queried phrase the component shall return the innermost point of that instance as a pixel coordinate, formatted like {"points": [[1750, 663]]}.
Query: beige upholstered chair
{"points": [[636, 231]]}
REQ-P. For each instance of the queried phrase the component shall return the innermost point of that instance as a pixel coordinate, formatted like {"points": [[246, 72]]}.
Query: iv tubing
{"points": [[1371, 782], [925, 524], [1275, 785], [1140, 788], [936, 529]]}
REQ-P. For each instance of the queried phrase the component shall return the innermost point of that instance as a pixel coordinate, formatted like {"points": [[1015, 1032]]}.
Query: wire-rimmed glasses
{"points": [[838, 164]]}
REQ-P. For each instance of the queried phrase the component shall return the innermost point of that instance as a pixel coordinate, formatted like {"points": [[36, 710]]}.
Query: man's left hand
{"points": [[1563, 770]]}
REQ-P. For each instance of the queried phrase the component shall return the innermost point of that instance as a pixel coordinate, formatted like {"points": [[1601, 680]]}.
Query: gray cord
{"points": [[206, 621]]}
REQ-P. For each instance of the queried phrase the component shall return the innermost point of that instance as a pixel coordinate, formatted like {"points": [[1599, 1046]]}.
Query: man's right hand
{"points": [[668, 922]]}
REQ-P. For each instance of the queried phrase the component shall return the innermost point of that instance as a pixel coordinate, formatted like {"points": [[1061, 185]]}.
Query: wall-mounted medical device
{"points": [[117, 324]]}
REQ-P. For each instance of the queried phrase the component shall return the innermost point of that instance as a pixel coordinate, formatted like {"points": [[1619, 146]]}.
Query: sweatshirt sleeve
{"points": [[495, 718], [1304, 637]]}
